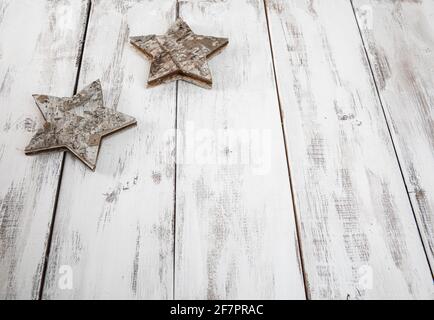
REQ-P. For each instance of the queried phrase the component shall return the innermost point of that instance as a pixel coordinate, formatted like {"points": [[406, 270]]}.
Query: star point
{"points": [[77, 124], [180, 54]]}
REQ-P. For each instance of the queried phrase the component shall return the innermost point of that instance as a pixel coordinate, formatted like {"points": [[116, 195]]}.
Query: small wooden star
{"points": [[180, 55], [77, 124]]}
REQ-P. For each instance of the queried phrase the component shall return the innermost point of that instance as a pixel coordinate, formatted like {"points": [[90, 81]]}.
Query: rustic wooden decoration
{"points": [[77, 124], [180, 55]]}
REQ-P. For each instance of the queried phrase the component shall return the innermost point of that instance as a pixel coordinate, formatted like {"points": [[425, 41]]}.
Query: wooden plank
{"points": [[359, 237], [114, 227], [39, 47], [235, 229], [399, 37]]}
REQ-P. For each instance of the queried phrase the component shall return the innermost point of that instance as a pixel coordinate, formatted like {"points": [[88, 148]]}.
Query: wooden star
{"points": [[180, 55], [77, 124]]}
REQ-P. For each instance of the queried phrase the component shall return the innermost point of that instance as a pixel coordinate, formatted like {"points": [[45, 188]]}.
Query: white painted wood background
{"points": [[400, 42], [350, 198], [338, 99], [39, 48]]}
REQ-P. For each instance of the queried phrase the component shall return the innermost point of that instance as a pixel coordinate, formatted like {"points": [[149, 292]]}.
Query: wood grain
{"points": [[114, 227], [399, 38], [235, 229], [39, 47], [355, 216]]}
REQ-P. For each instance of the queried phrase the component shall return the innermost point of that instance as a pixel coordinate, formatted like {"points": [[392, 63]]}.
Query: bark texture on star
{"points": [[77, 124], [180, 54]]}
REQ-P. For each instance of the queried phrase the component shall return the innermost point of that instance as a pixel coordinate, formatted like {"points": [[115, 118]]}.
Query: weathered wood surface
{"points": [[221, 224], [235, 229], [351, 201], [399, 38], [114, 227], [39, 47]]}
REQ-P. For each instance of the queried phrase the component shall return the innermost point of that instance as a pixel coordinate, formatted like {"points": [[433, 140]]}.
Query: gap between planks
{"points": [[62, 165], [380, 100], [297, 223], [175, 175]]}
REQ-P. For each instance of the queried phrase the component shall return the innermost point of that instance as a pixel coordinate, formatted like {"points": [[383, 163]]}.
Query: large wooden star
{"points": [[180, 55], [77, 124]]}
